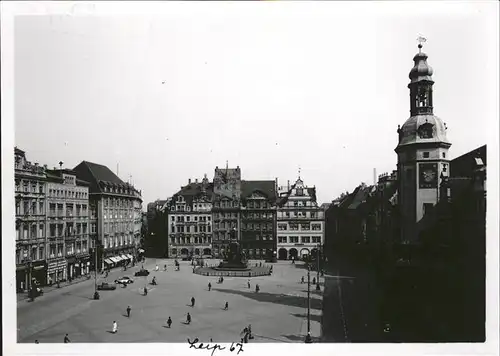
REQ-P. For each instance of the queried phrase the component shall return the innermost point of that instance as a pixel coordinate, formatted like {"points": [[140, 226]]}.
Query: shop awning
{"points": [[124, 257], [108, 261], [130, 257], [116, 259]]}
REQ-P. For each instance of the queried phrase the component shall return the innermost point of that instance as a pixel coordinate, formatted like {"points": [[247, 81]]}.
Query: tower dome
{"points": [[421, 70], [422, 126]]}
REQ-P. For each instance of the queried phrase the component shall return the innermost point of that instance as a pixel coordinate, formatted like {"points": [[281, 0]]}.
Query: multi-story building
{"points": [[258, 219], [156, 240], [117, 205], [226, 208], [300, 221], [190, 220], [67, 225], [30, 189]]}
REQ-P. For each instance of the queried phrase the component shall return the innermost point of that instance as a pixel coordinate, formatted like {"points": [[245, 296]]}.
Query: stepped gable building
{"points": [[190, 220], [300, 221], [30, 193], [258, 219], [117, 206], [68, 225], [226, 208], [422, 151]]}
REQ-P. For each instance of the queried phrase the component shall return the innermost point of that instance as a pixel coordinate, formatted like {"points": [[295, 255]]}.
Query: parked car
{"points": [[106, 286], [124, 280], [142, 272]]}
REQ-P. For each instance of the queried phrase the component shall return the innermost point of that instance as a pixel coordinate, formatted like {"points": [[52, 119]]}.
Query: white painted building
{"points": [[300, 221]]}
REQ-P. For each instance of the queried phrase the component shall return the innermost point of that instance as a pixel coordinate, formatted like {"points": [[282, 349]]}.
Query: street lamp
{"points": [[308, 336], [317, 257], [96, 293], [29, 284]]}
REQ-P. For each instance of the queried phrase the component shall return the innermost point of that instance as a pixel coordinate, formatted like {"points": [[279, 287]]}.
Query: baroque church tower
{"points": [[422, 151]]}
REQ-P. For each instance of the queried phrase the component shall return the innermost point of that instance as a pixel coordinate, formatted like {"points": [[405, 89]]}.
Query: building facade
{"points": [[117, 205], [67, 226], [226, 208], [190, 220], [258, 219], [30, 198], [300, 221], [422, 152]]}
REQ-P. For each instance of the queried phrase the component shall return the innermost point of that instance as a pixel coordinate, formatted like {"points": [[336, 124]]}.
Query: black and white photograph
{"points": [[236, 177]]}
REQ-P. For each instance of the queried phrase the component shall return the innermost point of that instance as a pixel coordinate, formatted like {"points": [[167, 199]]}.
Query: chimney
{"points": [[189, 181], [374, 176], [288, 185], [196, 180]]}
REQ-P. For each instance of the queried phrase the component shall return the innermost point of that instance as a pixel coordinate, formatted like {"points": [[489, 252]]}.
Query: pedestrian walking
{"points": [[209, 286], [250, 336], [165, 268], [128, 311], [257, 288], [145, 291], [188, 318], [314, 280], [192, 302], [169, 322], [66, 339], [115, 327], [302, 280], [248, 284], [226, 307]]}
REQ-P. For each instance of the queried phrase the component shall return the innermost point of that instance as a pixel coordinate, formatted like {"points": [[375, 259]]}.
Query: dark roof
{"points": [[18, 151], [266, 187], [96, 173], [465, 165], [359, 196], [194, 190]]}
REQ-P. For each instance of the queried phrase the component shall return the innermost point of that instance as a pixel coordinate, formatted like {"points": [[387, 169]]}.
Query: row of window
{"points": [[189, 229], [117, 214], [246, 215], [122, 226], [190, 240], [37, 252], [225, 216], [295, 239], [196, 207], [68, 193], [226, 204], [300, 203], [68, 210], [116, 241], [120, 203], [303, 227], [30, 207], [257, 226], [29, 186], [249, 252], [227, 236], [187, 218], [300, 214], [60, 230]]}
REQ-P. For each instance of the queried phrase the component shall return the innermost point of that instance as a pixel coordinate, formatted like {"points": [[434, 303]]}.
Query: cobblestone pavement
{"points": [[278, 313]]}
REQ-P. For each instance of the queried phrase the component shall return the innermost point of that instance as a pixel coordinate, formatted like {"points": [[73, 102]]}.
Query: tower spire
{"points": [[421, 83]]}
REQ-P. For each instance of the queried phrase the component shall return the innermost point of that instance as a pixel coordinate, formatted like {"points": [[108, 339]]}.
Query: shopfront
{"points": [[71, 267], [57, 271], [82, 266]]}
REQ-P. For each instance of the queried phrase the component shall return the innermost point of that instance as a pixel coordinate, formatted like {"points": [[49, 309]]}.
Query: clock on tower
{"points": [[428, 175]]}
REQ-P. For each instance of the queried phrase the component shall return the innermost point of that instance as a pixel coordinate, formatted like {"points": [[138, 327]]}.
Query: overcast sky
{"points": [[179, 89]]}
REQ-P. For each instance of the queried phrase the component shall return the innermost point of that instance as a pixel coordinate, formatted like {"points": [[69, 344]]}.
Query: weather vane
{"points": [[421, 39]]}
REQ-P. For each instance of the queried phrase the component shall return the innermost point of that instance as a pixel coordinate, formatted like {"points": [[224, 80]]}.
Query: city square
{"points": [[277, 313], [245, 178]]}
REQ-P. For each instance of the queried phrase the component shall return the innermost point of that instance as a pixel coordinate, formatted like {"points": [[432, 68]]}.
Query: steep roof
{"points": [[95, 173], [464, 165], [267, 187], [194, 190], [360, 195]]}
